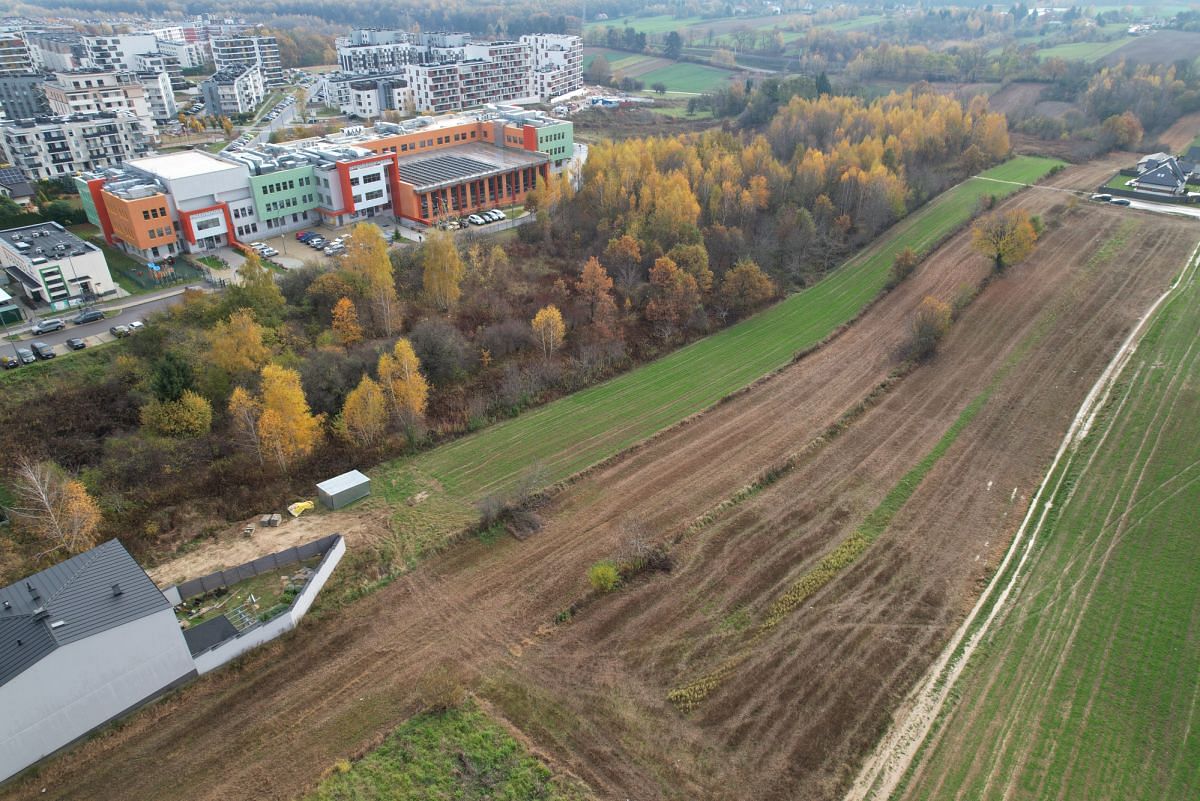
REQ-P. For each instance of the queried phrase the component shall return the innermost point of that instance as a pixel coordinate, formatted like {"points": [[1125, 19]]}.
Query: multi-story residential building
{"points": [[262, 51], [14, 54], [420, 170], [368, 96], [188, 55], [160, 96], [446, 72], [57, 51], [557, 67], [236, 89], [120, 51], [51, 265], [54, 148], [21, 95], [99, 90], [158, 62]]}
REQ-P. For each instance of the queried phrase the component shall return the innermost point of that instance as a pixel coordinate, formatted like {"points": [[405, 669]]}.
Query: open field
{"points": [[1085, 51], [1160, 47], [568, 435], [1085, 684], [592, 694], [678, 76]]}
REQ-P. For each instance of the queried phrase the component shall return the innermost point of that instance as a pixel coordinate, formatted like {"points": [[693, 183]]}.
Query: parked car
{"points": [[316, 243], [119, 331], [1119, 201], [75, 343], [257, 246], [333, 250], [269, 252], [43, 351], [475, 219], [88, 316], [303, 236], [26, 356], [135, 326], [9, 362], [498, 215], [48, 325], [1102, 198]]}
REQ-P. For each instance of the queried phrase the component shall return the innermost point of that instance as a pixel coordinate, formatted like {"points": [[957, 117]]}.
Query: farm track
{"points": [[813, 695]]}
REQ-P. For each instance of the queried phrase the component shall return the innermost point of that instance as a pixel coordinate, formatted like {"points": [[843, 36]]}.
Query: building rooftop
{"points": [[184, 164], [463, 163], [85, 595], [54, 242]]}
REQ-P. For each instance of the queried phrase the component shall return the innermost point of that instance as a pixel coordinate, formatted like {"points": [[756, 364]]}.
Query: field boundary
{"points": [[888, 766]]}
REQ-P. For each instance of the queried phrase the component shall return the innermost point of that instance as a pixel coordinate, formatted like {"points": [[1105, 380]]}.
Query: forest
{"points": [[237, 401]]}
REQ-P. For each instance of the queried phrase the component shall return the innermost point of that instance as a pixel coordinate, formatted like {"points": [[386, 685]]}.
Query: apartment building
{"points": [[14, 54], [447, 72], [188, 55], [368, 96], [99, 90], [54, 148], [420, 170], [160, 96], [21, 95], [262, 51], [51, 265], [57, 51], [236, 89], [119, 52]]}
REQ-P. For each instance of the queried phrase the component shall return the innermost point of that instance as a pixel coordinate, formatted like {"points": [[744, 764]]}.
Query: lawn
{"points": [[663, 23], [460, 754], [1087, 684], [84, 367], [570, 434], [1118, 181], [683, 77], [864, 21], [1084, 51]]}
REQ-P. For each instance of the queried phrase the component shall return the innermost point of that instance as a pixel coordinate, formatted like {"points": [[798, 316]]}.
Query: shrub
{"points": [[440, 689], [929, 325], [604, 576], [905, 263]]}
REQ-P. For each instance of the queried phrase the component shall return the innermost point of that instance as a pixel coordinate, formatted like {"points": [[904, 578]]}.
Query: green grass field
{"points": [[574, 432], [1085, 51], [662, 23], [693, 78], [855, 24], [460, 755], [1087, 684]]}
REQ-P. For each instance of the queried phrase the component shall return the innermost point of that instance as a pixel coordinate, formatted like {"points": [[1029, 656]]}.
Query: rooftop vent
{"points": [[40, 613], [117, 590], [32, 590], [58, 624], [7, 605]]}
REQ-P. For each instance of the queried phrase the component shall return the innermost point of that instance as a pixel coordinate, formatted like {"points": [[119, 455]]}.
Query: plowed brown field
{"points": [[806, 700]]}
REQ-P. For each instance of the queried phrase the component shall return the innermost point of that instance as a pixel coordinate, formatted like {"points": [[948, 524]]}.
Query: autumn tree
{"points": [[364, 416], [746, 287], [675, 297], [623, 255], [693, 260], [187, 417], [1125, 129], [256, 290], [244, 410], [930, 323], [235, 345], [367, 260], [53, 507], [442, 269], [549, 329], [403, 383], [903, 265], [346, 329], [1004, 237], [595, 293], [287, 428]]}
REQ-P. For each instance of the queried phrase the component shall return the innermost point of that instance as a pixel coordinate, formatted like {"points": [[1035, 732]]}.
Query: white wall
{"points": [[252, 638], [86, 683]]}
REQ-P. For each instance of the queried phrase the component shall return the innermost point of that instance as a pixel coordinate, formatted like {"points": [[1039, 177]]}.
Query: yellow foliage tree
{"points": [[402, 381], [244, 410], [595, 290], [287, 428], [365, 414], [188, 417], [1006, 238], [235, 345], [746, 286], [367, 259], [443, 269], [345, 323], [549, 329], [54, 507]]}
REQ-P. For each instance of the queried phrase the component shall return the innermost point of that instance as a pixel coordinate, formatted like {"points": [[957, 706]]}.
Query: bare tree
{"points": [[54, 507]]}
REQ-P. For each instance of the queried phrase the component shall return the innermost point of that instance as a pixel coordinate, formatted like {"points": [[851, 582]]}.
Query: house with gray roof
{"points": [[82, 643], [1162, 175]]}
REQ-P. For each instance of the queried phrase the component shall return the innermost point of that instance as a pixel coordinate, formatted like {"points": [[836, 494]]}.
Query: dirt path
{"points": [[1180, 135], [815, 694]]}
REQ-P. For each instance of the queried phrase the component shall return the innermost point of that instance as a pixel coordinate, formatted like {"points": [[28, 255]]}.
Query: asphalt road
{"points": [[1165, 208], [92, 332]]}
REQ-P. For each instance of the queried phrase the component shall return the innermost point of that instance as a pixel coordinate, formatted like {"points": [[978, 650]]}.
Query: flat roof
{"points": [[47, 237], [345, 481], [464, 163], [185, 164]]}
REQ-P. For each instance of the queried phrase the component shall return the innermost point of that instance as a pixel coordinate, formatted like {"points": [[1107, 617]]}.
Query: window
{"points": [[145, 214], [378, 193], [211, 222]]}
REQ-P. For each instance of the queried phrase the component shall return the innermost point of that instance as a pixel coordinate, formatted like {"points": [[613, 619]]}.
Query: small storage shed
{"points": [[345, 489]]}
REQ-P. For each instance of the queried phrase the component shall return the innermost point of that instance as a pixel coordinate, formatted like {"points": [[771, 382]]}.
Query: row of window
{"points": [[288, 203], [154, 214], [161, 233], [284, 186], [369, 178]]}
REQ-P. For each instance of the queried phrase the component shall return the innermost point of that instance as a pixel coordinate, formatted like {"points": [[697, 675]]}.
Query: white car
{"points": [[257, 246], [269, 252], [135, 326], [475, 219], [497, 215], [333, 250]]}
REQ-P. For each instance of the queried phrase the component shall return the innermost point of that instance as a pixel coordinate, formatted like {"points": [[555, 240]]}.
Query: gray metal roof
{"points": [[332, 486], [79, 592], [468, 163]]}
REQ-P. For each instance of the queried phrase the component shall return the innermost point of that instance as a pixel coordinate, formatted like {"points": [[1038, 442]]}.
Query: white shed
{"points": [[345, 489]]}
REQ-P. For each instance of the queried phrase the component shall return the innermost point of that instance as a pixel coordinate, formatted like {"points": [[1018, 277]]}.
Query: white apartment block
{"points": [[57, 51], [260, 50], [14, 54], [121, 51], [557, 68], [94, 91], [160, 97], [50, 148], [188, 55], [237, 89]]}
